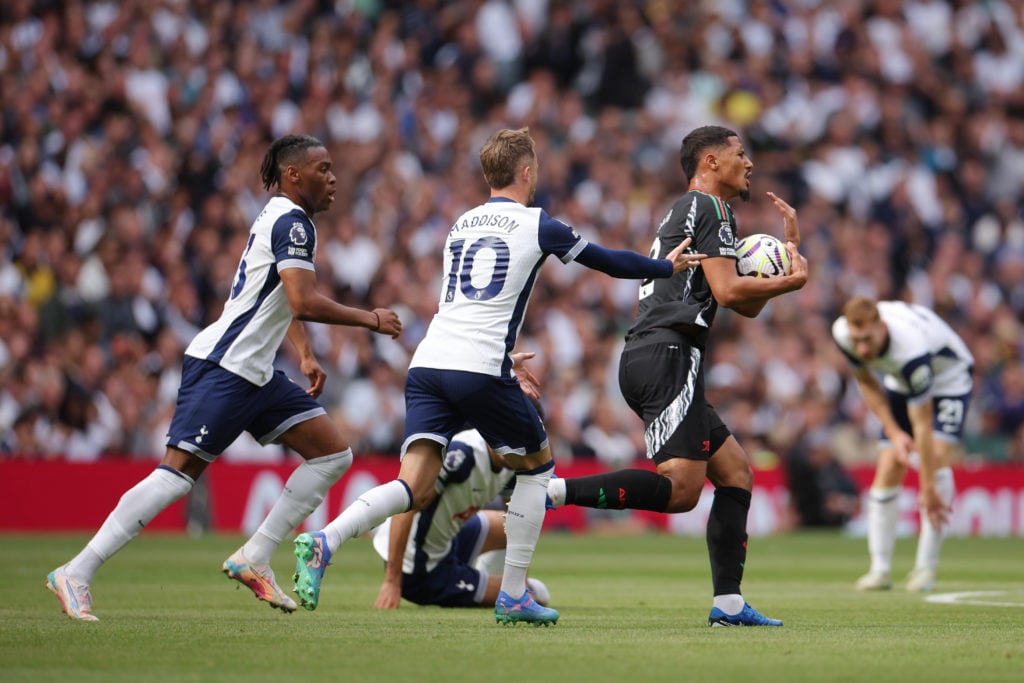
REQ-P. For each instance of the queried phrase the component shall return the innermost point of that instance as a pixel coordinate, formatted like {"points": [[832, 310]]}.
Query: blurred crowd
{"points": [[131, 135]]}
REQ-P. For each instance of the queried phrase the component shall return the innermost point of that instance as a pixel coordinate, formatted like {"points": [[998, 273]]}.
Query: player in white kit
{"points": [[462, 374], [430, 554], [229, 385], [921, 401]]}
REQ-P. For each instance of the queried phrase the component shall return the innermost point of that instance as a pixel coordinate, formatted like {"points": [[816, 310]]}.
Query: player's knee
{"points": [[738, 475], [684, 497], [422, 496]]}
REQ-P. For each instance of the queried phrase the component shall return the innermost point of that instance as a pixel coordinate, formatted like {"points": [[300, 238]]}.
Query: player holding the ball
{"points": [[462, 371], [661, 371]]}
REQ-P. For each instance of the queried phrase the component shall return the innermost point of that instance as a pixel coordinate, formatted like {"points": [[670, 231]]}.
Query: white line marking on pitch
{"points": [[976, 598]]}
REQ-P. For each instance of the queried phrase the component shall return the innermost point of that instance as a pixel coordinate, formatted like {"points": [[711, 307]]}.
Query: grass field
{"points": [[634, 610]]}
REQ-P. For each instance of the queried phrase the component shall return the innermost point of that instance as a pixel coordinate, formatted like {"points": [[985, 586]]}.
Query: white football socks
{"points": [[368, 511], [929, 541], [556, 491], [883, 518], [303, 493], [492, 562], [523, 523], [731, 603], [136, 508]]}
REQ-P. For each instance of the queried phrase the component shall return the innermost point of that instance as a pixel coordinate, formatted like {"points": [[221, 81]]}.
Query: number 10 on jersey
{"points": [[478, 270]]}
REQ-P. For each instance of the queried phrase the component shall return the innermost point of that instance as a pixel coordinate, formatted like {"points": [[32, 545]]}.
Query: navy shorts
{"points": [[215, 406], [662, 380], [949, 413], [454, 582], [439, 403]]}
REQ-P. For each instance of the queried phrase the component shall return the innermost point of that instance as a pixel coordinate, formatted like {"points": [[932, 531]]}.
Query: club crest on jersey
{"points": [[458, 466], [298, 234], [725, 234], [920, 378]]}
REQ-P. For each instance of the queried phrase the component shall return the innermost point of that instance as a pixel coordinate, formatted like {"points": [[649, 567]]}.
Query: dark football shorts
{"points": [[949, 414], [215, 406], [454, 582], [662, 379], [439, 403]]}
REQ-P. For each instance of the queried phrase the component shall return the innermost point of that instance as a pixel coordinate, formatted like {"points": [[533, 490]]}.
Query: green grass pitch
{"points": [[634, 610]]}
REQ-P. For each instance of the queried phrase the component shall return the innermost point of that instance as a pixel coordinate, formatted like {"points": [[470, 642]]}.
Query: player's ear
{"points": [[526, 172]]}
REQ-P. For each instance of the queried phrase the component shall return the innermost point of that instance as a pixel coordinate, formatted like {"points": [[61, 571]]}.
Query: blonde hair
{"points": [[504, 154], [861, 310]]}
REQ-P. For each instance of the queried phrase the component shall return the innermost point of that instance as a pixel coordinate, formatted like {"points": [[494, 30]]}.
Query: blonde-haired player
{"points": [[921, 401]]}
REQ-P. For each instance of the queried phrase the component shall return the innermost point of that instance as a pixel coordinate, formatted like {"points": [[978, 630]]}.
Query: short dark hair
{"points": [[282, 152], [698, 140]]}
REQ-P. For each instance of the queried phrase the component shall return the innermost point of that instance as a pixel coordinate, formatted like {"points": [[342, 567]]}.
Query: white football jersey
{"points": [[467, 483], [255, 319], [924, 356], [491, 259]]}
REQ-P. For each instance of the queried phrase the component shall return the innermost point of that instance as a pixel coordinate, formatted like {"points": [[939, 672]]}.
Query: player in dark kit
{"points": [[661, 372]]}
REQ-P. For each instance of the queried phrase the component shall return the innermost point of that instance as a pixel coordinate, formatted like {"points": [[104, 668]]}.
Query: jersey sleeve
{"points": [[555, 237], [293, 241], [458, 463], [623, 264], [918, 375]]}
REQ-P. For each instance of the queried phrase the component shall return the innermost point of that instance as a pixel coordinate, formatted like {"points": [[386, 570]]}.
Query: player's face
{"points": [[317, 181], [735, 168], [868, 339]]}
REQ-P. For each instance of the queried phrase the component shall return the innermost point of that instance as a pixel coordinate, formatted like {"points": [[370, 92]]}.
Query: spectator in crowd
{"points": [[822, 493]]}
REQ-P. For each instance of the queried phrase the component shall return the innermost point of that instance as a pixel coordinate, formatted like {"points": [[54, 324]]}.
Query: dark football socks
{"points": [[625, 489], [727, 538]]}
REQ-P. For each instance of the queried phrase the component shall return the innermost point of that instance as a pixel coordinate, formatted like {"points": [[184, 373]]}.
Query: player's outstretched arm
{"points": [[629, 265], [308, 304], [682, 260]]}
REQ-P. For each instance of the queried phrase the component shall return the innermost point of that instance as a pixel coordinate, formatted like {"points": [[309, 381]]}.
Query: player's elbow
{"points": [[302, 309], [745, 307], [747, 311]]}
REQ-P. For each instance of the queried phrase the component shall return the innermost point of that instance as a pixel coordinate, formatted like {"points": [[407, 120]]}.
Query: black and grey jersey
{"points": [[685, 299]]}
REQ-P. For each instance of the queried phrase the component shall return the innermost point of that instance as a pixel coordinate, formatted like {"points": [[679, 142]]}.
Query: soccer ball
{"points": [[762, 256]]}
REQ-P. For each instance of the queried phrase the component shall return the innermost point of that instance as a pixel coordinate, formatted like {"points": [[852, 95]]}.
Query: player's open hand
{"points": [[390, 596], [390, 324], [790, 226], [681, 260], [903, 449], [527, 382]]}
